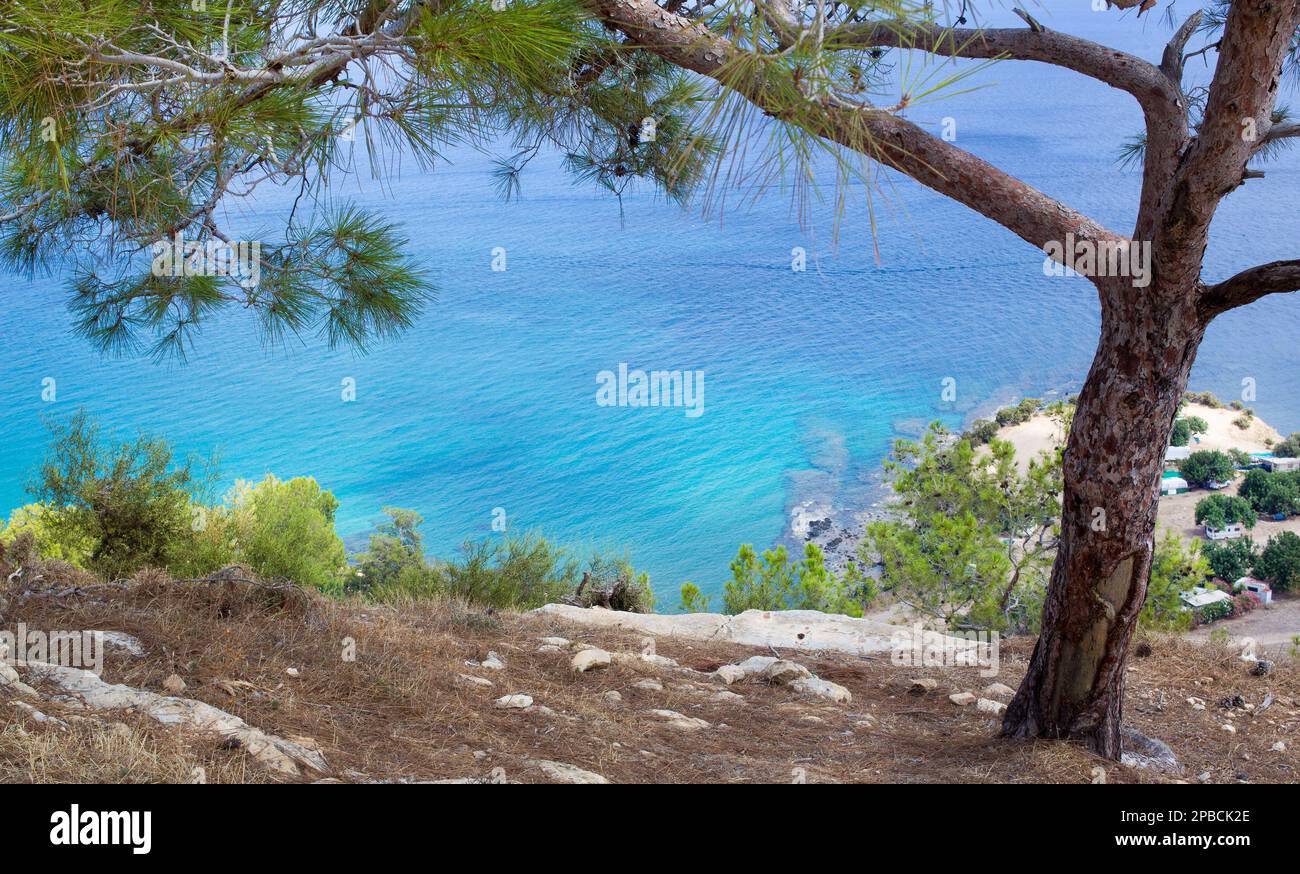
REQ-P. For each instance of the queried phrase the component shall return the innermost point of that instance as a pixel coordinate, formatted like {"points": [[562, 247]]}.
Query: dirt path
{"points": [[1272, 627]]}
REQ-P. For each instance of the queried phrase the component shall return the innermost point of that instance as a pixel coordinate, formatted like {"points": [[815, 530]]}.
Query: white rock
{"points": [[589, 659], [962, 699], [470, 680], [823, 689], [274, 752], [38, 716], [563, 773], [987, 705], [121, 641], [9, 680], [725, 696], [493, 662], [1278, 747], [1197, 703], [678, 720], [1229, 728], [756, 664], [555, 641], [514, 702], [729, 674], [612, 697], [293, 672], [784, 629], [782, 673], [999, 691], [649, 685], [546, 647], [921, 686], [173, 685]]}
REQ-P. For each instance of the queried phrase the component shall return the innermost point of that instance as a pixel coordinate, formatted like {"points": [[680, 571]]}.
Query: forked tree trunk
{"points": [[1113, 460]]}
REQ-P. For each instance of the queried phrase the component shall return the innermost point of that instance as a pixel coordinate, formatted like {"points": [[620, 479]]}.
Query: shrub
{"points": [[981, 432], [1206, 466], [130, 502], [1176, 567], [286, 529], [1288, 448], [776, 583], [1243, 422], [1204, 398], [1230, 559], [1271, 493], [1181, 434], [1279, 562], [693, 600], [1218, 511], [51, 538], [395, 560], [1214, 612], [1197, 425]]}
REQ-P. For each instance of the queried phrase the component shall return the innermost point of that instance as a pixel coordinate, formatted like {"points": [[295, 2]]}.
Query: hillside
{"points": [[419, 702]]}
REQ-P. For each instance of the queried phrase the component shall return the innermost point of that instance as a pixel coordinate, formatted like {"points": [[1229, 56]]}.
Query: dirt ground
{"points": [[1178, 514], [403, 712]]}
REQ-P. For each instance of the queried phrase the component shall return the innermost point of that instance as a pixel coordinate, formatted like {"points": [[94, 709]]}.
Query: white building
{"points": [[1202, 597], [1230, 531], [1262, 590], [1276, 464]]}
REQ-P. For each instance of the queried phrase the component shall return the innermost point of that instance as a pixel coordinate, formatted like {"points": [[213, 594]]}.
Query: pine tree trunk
{"points": [[1113, 461]]}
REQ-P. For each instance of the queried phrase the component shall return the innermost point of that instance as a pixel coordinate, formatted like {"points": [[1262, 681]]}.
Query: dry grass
{"points": [[398, 712]]}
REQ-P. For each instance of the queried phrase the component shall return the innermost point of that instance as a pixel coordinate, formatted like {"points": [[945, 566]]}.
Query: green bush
{"points": [[130, 503], [1176, 567], [1197, 425], [1230, 560], [1279, 562], [286, 529], [775, 583], [395, 560], [1288, 448], [1206, 466], [981, 432], [51, 537], [1218, 511], [1271, 493], [1181, 434], [693, 600]]}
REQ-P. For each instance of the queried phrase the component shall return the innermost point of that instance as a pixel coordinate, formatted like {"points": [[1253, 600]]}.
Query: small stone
{"points": [[729, 674], [562, 773], [470, 680], [1204, 777], [173, 685], [962, 699], [782, 672], [1278, 747], [1197, 703], [920, 687], [1229, 728], [613, 696], [823, 689], [493, 662], [987, 705], [724, 696], [649, 685], [808, 717], [680, 721], [559, 642], [293, 672], [998, 691], [514, 702], [546, 647], [1262, 668], [588, 660]]}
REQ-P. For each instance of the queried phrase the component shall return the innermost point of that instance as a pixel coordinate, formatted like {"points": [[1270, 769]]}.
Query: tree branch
{"points": [[886, 138], [1276, 277]]}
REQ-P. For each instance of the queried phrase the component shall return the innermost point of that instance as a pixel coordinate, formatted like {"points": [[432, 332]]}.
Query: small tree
{"points": [[1279, 563], [1177, 568], [1271, 493], [1230, 559], [1288, 448], [1207, 466], [776, 583], [131, 500], [1181, 434], [1219, 511]]}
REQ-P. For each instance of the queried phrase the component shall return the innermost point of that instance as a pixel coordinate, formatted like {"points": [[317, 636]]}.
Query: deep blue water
{"points": [[490, 400]]}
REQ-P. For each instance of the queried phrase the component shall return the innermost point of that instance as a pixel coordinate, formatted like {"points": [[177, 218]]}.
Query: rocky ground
{"points": [[232, 681]]}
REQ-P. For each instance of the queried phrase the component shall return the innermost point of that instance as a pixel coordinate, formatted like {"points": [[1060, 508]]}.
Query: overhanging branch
{"points": [[1276, 277]]}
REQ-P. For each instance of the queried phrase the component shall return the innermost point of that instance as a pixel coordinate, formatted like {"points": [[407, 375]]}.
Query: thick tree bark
{"points": [[1112, 466]]}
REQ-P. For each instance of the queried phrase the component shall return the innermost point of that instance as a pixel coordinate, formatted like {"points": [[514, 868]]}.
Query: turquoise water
{"points": [[490, 401]]}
